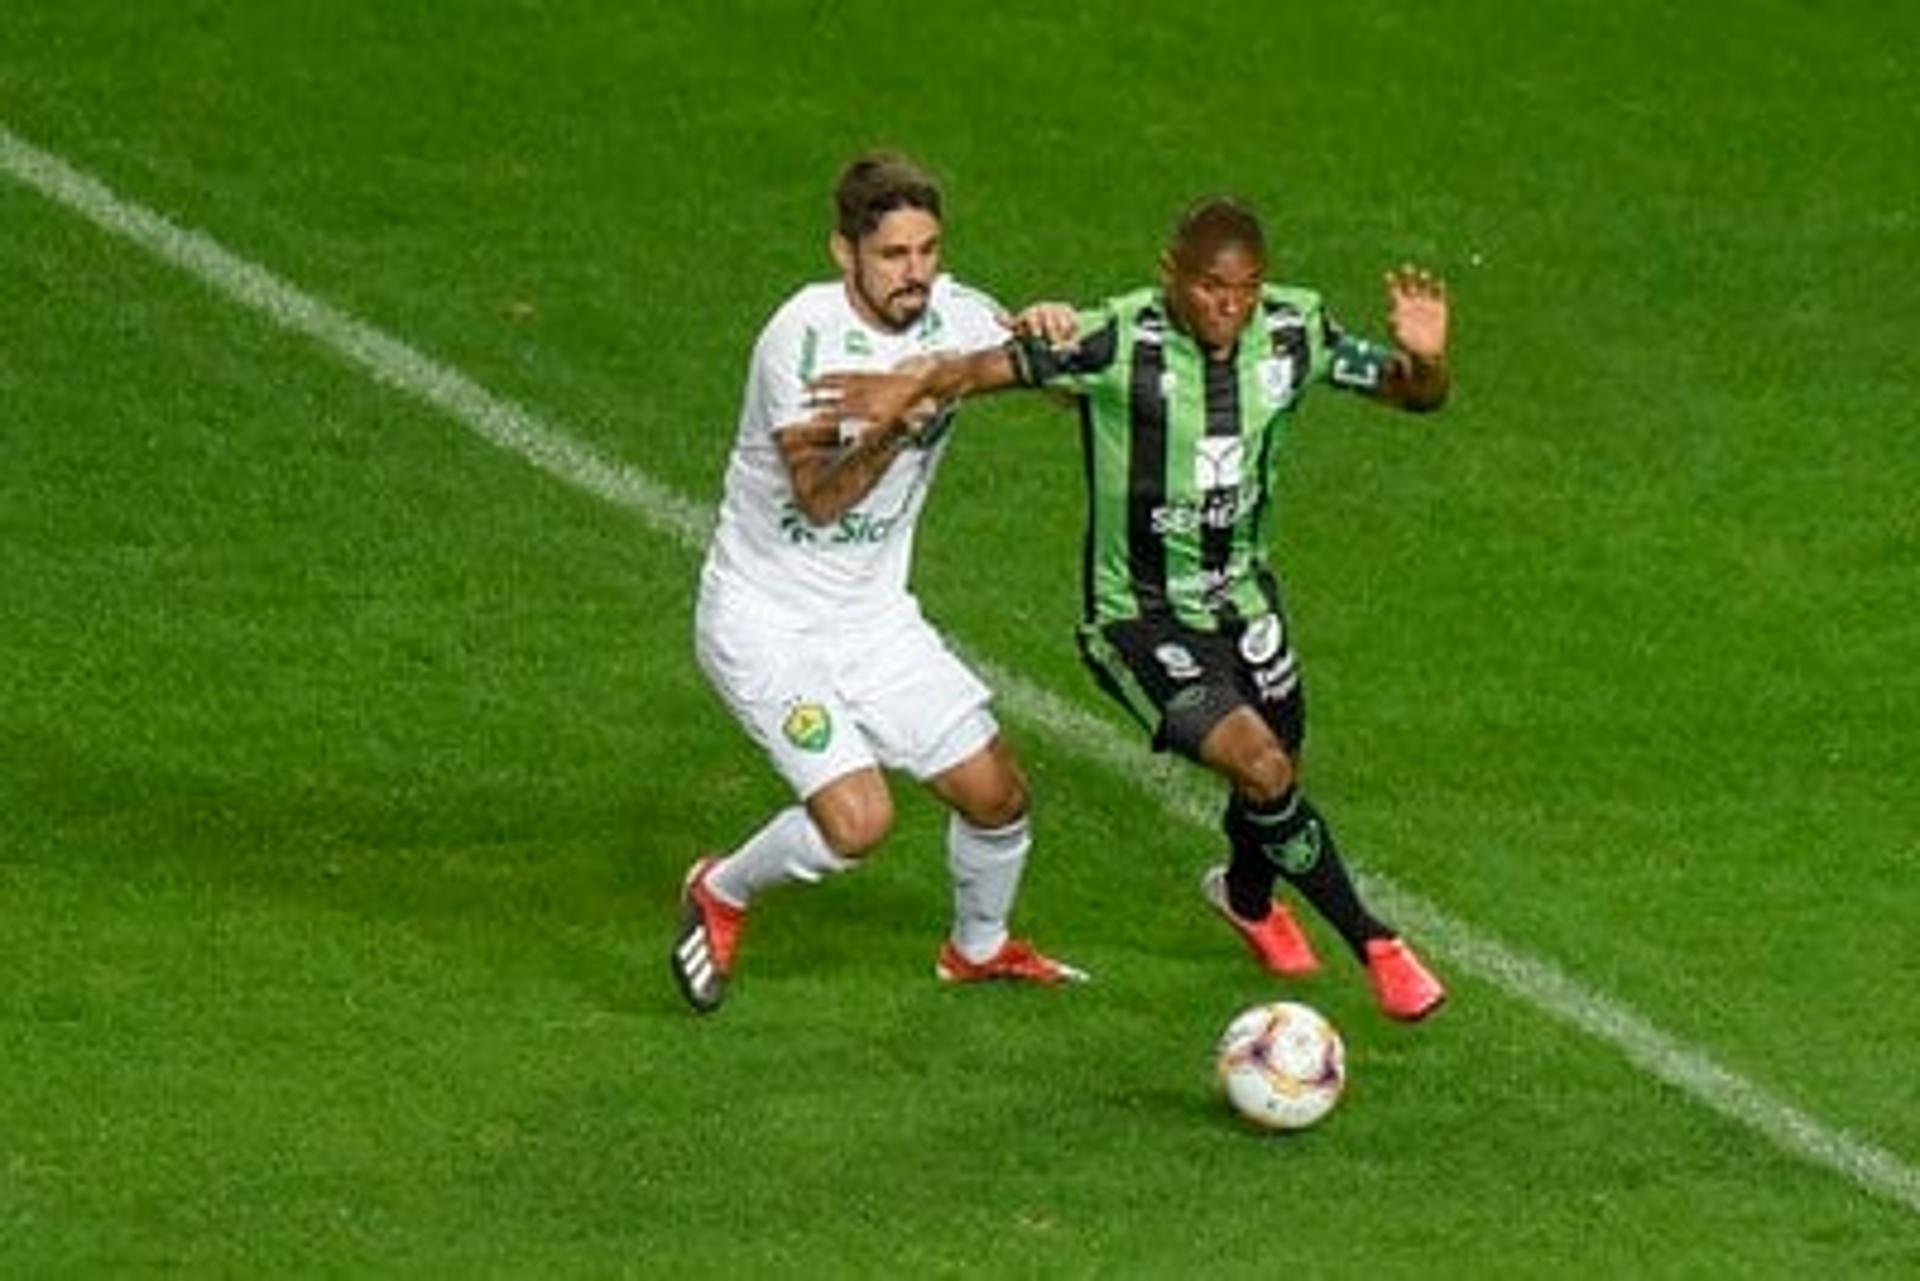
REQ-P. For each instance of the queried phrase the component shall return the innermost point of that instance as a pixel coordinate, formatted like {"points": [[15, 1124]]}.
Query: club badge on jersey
{"points": [[1277, 381]]}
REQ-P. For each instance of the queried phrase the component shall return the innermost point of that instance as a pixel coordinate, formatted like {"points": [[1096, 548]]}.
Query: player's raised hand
{"points": [[1417, 311]]}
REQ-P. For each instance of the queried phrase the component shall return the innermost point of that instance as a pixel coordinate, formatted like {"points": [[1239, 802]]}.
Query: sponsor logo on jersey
{"points": [[854, 528], [1216, 462], [795, 526], [808, 727], [1182, 516]]}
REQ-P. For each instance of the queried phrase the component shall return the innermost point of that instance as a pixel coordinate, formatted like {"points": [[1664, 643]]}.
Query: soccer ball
{"points": [[1282, 1065]]}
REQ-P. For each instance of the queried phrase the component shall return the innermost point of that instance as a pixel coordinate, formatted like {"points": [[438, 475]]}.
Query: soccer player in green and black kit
{"points": [[1185, 393]]}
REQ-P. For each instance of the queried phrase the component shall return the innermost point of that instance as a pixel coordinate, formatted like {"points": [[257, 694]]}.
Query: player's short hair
{"points": [[875, 185], [1208, 226]]}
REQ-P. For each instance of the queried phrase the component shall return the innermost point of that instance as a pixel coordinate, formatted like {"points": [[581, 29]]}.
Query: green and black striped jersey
{"points": [[1181, 451]]}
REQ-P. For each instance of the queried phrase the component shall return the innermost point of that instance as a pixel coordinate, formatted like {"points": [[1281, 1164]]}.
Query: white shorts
{"points": [[824, 703]]}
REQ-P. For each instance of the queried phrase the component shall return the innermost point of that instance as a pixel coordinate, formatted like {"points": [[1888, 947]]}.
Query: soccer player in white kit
{"points": [[806, 626]]}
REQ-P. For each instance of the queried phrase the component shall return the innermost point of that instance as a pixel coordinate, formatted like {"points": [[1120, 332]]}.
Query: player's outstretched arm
{"points": [[1055, 323], [904, 397], [895, 401], [1417, 377], [861, 421]]}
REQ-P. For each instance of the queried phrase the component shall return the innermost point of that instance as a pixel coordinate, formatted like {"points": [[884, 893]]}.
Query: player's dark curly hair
{"points": [[875, 185], [1208, 226]]}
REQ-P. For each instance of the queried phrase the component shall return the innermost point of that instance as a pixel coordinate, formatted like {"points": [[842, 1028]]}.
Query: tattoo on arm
{"points": [[830, 475]]}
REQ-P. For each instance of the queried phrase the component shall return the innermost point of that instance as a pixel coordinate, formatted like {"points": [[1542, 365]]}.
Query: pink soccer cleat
{"points": [[702, 956], [1405, 988], [1017, 961], [1277, 941]]}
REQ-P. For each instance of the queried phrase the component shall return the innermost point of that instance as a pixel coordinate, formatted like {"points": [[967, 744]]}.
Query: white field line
{"points": [[1183, 793]]}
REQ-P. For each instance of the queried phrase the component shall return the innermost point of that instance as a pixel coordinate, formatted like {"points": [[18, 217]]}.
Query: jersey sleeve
{"points": [[1353, 363], [979, 321], [1073, 368], [783, 361]]}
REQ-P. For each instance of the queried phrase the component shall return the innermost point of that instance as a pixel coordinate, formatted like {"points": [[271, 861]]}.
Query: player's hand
{"points": [[926, 408], [892, 401], [1417, 311], [1056, 323]]}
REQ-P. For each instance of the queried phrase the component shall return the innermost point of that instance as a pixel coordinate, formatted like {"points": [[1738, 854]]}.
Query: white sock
{"points": [[789, 848], [986, 865]]}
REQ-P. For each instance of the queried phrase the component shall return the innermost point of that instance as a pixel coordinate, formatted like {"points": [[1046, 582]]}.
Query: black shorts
{"points": [[1180, 683]]}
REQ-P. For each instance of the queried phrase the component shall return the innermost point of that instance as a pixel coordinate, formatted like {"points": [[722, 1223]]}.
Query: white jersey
{"points": [[766, 558]]}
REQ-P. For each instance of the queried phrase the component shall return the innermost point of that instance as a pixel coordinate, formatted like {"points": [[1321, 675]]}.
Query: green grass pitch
{"points": [[348, 765]]}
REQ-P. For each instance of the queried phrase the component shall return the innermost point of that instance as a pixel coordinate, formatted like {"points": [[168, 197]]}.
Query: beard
{"points": [[898, 309]]}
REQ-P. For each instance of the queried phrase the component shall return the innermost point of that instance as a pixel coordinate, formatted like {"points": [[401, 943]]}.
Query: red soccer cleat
{"points": [[1405, 988], [1277, 941], [1017, 960], [702, 955]]}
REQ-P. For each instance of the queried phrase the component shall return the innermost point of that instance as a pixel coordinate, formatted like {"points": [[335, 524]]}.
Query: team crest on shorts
{"points": [[1178, 660], [1261, 640], [808, 727]]}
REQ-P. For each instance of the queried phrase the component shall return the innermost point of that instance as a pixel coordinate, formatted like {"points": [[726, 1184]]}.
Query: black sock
{"points": [[1291, 838], [1250, 877]]}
